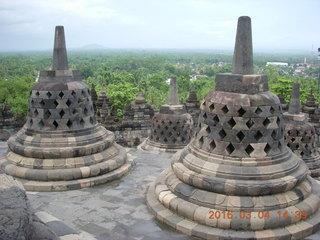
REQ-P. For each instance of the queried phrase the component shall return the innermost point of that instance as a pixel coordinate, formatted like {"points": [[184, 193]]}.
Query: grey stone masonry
{"points": [[171, 127], [61, 146], [300, 135], [294, 106], [237, 179]]}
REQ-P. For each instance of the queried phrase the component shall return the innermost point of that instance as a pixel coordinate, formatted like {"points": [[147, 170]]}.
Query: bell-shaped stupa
{"points": [[237, 179], [300, 135], [61, 146], [171, 127]]}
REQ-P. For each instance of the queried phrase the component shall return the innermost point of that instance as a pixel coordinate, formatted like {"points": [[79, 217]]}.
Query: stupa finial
{"points": [[243, 56], [173, 92], [60, 59], [294, 106]]}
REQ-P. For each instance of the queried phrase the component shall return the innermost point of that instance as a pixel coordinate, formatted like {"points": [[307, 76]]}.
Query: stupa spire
{"points": [[60, 59], [242, 56], [173, 92], [294, 106]]}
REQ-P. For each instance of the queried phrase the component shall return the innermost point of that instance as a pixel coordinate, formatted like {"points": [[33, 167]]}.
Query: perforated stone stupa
{"points": [[171, 127], [312, 109], [300, 135], [193, 106], [237, 179], [61, 146]]}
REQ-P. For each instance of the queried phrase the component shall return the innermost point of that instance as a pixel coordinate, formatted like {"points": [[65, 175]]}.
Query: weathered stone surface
{"points": [[171, 127], [61, 125], [237, 163], [193, 107], [300, 136]]}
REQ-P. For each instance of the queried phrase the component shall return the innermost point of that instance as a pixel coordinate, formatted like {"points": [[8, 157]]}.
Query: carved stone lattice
{"points": [[238, 164], [61, 146], [300, 137]]}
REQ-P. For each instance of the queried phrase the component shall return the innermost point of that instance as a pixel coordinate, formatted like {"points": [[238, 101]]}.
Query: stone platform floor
{"points": [[113, 211]]}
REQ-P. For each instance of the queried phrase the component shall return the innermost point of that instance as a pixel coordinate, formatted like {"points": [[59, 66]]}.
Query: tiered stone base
{"points": [[194, 220], [62, 162], [151, 146]]}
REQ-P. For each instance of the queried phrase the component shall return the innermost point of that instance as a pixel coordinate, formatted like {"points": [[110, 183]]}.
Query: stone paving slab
{"points": [[113, 211]]}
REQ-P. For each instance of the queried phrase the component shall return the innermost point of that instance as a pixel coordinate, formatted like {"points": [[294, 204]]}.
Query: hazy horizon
{"points": [[159, 24]]}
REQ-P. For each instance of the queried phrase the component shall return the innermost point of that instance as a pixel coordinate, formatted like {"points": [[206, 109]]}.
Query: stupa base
{"points": [[190, 227], [151, 146]]}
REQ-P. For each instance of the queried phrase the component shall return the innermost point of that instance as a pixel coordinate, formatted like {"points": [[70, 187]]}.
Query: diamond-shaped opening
{"points": [[222, 133], [91, 120], [56, 103], [61, 113], [166, 127], [47, 114], [274, 134], [240, 136], [170, 134], [278, 121], [267, 148], [266, 122], [232, 122], [230, 148], [61, 94], [32, 102], [37, 93], [258, 111], [241, 112], [208, 130], [158, 126], [30, 93], [302, 154], [161, 132], [55, 124], [41, 123], [175, 128], [225, 109], [85, 111], [31, 122], [216, 120], [201, 140], [36, 113], [258, 135], [211, 107], [212, 145], [157, 138], [178, 123], [174, 140], [74, 111], [162, 122], [204, 115], [42, 103], [68, 103], [69, 124], [49, 94], [82, 121], [249, 149], [293, 139], [249, 123], [73, 93], [272, 110], [279, 145], [183, 139], [297, 146], [165, 140], [83, 93], [169, 122]]}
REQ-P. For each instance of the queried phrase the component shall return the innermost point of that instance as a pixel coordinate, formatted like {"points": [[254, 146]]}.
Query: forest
{"points": [[122, 73]]}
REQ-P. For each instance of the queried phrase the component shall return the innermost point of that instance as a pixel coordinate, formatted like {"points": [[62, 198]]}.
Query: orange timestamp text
{"points": [[217, 214]]}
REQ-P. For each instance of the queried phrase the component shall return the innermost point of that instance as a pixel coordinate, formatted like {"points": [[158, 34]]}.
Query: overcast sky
{"points": [[276, 24]]}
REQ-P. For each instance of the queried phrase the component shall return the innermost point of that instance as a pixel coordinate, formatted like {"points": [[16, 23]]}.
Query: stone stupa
{"points": [[237, 179], [61, 146], [193, 106], [171, 127], [300, 135]]}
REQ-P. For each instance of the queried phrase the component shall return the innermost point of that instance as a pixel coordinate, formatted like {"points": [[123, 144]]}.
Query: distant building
{"points": [[282, 64]]}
